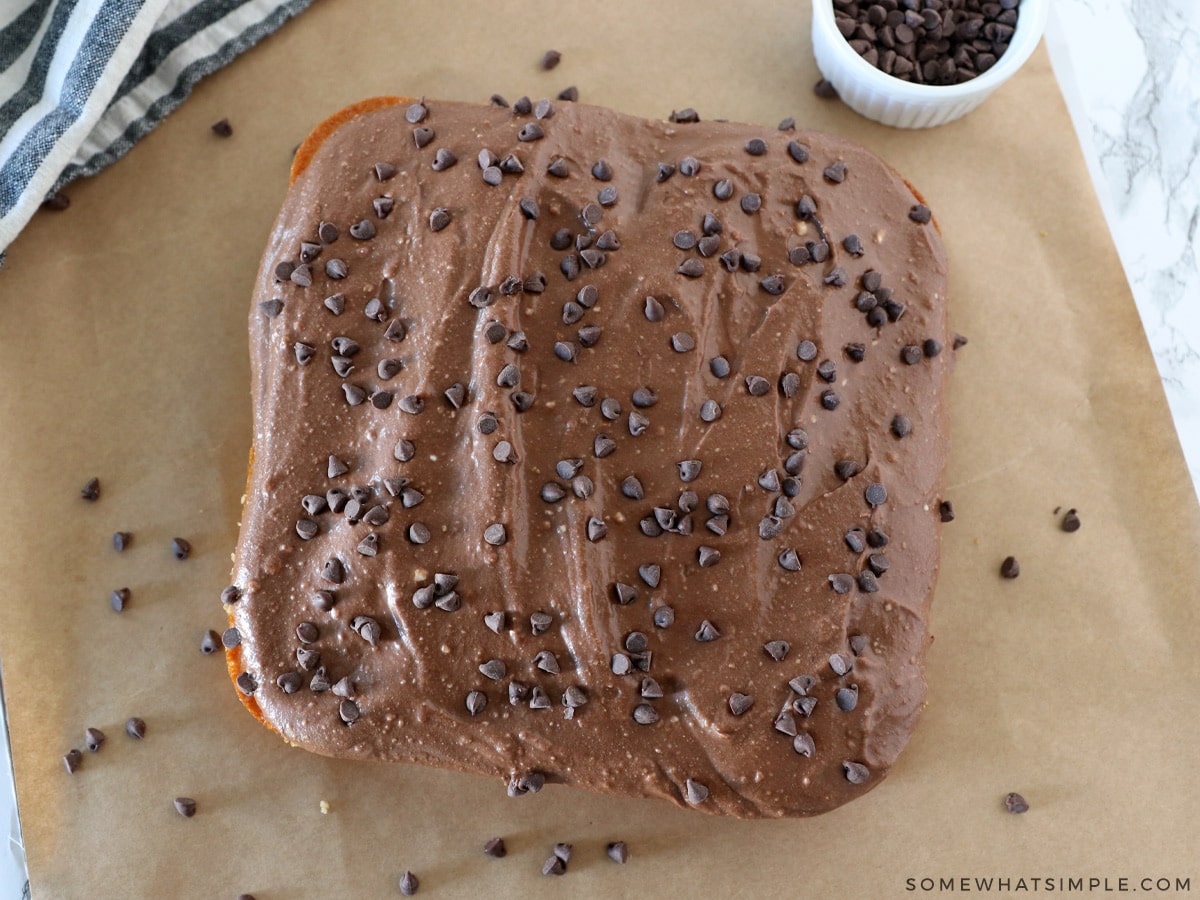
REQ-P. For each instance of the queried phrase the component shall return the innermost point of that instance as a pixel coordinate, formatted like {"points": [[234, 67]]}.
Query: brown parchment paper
{"points": [[123, 355]]}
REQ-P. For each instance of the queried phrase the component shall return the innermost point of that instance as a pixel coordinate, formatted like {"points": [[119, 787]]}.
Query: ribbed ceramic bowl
{"points": [[901, 104]]}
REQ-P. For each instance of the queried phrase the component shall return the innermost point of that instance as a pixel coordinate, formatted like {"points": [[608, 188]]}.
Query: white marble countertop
{"points": [[1130, 72]]}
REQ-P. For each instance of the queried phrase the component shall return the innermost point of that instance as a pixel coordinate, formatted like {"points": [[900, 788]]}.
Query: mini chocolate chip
{"points": [[91, 490], [710, 411], [119, 599], [414, 404], [271, 308], [496, 534], [682, 342], [875, 494], [443, 159], [773, 284], [1070, 521], [569, 94], [708, 556], [363, 230], [740, 704], [946, 511], [395, 331], [663, 616], [72, 760], [777, 650], [1010, 568], [789, 560], [596, 530], [530, 131], [920, 214], [695, 792], [180, 548], [835, 173], [845, 469], [1015, 803], [855, 772], [723, 189], [247, 683], [185, 806], [758, 386], [707, 632], [423, 136], [135, 728]]}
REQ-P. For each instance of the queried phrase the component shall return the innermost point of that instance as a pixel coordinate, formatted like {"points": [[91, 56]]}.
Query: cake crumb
{"points": [[324, 807]]}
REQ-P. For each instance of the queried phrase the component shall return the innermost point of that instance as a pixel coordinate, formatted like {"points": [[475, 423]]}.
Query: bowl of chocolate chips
{"points": [[920, 63]]}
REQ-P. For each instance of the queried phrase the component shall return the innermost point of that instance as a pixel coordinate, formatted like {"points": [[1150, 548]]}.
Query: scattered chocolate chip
{"points": [[91, 490], [56, 201], [185, 806], [135, 728], [946, 511], [1015, 803], [93, 739], [788, 124], [1070, 521], [336, 269], [789, 560], [569, 94], [72, 760], [495, 534], [1010, 568], [723, 189]]}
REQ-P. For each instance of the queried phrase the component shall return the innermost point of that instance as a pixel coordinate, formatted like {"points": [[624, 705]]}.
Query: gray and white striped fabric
{"points": [[82, 80]]}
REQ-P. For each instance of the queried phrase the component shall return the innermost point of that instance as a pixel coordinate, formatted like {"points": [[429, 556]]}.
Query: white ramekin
{"points": [[875, 94]]}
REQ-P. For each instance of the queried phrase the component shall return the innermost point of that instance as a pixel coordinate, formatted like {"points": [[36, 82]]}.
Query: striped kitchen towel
{"points": [[82, 80]]}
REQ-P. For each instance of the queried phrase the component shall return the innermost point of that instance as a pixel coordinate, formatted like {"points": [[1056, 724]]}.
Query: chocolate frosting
{"points": [[799, 445]]}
